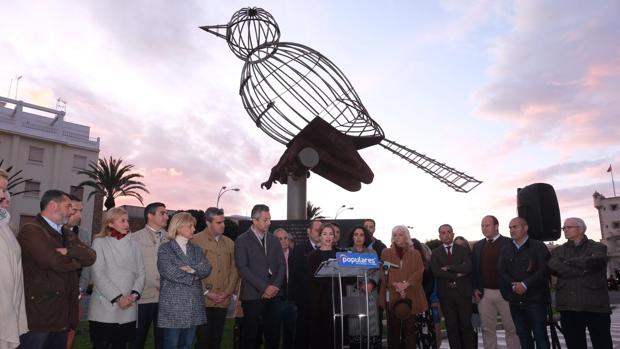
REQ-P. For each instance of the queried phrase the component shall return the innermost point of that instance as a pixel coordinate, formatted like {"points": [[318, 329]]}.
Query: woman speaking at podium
{"points": [[321, 311]]}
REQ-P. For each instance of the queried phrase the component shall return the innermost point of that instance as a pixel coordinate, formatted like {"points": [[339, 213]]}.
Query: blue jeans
{"points": [[530, 318], [179, 338], [40, 340]]}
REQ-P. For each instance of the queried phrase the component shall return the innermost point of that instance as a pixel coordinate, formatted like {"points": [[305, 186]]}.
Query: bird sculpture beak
{"points": [[216, 30]]}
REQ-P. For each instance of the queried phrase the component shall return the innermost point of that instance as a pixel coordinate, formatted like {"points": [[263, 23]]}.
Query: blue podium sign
{"points": [[357, 260]]}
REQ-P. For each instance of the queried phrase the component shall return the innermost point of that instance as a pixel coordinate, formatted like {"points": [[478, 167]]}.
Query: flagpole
{"points": [[612, 180]]}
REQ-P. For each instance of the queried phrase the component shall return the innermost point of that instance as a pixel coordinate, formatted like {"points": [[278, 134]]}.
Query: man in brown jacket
{"points": [[51, 256], [221, 283]]}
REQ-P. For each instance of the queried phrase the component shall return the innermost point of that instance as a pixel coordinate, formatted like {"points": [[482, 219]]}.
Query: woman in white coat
{"points": [[118, 278], [12, 303]]}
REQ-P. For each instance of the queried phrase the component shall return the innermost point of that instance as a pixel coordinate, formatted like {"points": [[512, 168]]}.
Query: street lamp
{"points": [[223, 190], [342, 209]]}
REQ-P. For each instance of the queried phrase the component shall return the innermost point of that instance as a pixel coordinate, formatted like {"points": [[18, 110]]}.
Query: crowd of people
{"points": [[180, 284]]}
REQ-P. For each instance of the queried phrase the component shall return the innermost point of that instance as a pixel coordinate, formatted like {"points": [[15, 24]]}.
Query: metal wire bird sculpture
{"points": [[300, 98]]}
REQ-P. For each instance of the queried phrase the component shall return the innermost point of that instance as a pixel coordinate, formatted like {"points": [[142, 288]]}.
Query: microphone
{"points": [[387, 265]]}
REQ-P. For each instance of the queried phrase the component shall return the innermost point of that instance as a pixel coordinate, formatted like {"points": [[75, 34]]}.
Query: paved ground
{"points": [[615, 328]]}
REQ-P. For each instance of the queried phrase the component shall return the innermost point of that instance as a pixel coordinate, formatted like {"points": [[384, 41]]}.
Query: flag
{"points": [[609, 169]]}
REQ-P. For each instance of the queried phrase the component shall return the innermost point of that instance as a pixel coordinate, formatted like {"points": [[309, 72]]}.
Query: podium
{"points": [[347, 306]]}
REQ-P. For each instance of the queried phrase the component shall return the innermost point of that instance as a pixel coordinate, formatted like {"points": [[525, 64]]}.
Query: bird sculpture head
{"points": [[251, 34]]}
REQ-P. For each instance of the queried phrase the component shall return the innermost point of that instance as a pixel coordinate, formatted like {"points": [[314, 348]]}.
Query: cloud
{"points": [[556, 75]]}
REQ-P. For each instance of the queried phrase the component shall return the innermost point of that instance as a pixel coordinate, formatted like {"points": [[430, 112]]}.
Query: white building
{"points": [[50, 151], [609, 216]]}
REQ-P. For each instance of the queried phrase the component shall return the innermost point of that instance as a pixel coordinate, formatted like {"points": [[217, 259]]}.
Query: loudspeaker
{"points": [[538, 205]]}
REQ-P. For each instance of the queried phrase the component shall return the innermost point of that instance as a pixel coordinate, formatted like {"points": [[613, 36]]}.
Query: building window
{"points": [[613, 207], [32, 188], [36, 154], [79, 161], [78, 192], [615, 225], [25, 219]]}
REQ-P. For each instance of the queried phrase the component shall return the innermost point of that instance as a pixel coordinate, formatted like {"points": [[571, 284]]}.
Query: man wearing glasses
{"points": [[581, 292]]}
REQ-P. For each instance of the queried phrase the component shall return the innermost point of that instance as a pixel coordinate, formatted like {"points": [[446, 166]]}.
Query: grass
{"points": [[82, 339]]}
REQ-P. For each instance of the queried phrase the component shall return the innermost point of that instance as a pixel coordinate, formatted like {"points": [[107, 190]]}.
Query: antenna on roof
{"points": [[61, 105]]}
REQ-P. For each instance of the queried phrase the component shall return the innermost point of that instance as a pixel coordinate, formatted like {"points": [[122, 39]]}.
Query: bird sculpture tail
{"points": [[451, 177]]}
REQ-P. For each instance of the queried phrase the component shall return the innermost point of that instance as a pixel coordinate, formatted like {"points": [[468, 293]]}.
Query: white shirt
{"points": [[182, 241], [56, 227]]}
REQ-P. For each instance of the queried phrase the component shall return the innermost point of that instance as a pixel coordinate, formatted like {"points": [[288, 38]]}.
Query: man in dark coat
{"points": [[51, 256], [260, 262], [581, 293], [451, 265], [524, 283], [301, 284]]}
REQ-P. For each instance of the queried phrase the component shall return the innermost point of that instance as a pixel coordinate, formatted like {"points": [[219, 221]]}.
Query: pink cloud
{"points": [[557, 79]]}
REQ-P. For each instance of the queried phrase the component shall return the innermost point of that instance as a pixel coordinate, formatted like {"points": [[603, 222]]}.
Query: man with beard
{"points": [[51, 256]]}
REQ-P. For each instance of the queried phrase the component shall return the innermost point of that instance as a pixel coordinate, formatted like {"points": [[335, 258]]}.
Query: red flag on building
{"points": [[609, 169]]}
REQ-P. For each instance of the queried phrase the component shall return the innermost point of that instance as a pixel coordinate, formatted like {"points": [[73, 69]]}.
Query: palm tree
{"points": [[15, 179], [313, 212], [112, 179]]}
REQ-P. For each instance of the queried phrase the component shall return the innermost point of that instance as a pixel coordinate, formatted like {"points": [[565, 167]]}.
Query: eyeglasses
{"points": [[564, 228]]}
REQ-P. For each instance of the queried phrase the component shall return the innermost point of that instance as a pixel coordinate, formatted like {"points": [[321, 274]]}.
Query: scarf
{"points": [[117, 234]]}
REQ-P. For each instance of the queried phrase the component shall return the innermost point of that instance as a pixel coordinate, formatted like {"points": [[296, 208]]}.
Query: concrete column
{"points": [[296, 197], [296, 186]]}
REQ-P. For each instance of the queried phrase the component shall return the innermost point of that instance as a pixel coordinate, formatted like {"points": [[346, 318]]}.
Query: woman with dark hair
{"points": [[357, 241], [404, 284], [425, 324], [321, 329], [459, 240]]}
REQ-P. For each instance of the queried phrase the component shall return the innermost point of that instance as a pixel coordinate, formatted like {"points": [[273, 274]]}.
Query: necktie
{"points": [[449, 251], [286, 264], [490, 241]]}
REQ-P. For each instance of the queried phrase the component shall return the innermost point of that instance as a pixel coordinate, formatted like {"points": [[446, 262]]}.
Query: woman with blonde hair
{"points": [[181, 265], [12, 300], [118, 278], [406, 294]]}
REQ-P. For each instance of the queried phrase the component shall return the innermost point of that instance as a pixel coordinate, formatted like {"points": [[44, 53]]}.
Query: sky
{"points": [[510, 92]]}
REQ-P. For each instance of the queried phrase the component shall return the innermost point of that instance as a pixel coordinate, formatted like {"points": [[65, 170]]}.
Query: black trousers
{"points": [[265, 312], [301, 326], [209, 335], [457, 312], [574, 325], [147, 314]]}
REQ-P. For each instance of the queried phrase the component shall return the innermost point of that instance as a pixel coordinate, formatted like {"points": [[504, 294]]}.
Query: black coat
{"points": [[527, 265], [301, 283], [461, 264]]}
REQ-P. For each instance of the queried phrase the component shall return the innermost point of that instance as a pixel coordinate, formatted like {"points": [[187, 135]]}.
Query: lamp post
{"points": [[223, 190], [342, 209]]}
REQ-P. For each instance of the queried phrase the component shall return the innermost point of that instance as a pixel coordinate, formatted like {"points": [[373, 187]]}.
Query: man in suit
{"points": [[485, 278], [376, 244], [51, 257], [451, 265], [524, 283], [261, 264], [301, 284], [288, 307]]}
